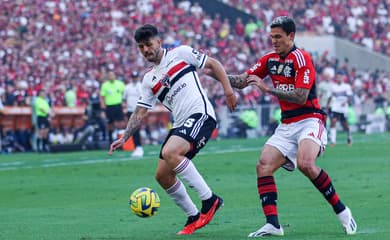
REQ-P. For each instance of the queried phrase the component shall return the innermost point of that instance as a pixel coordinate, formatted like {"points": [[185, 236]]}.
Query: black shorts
{"points": [[43, 122], [114, 113], [197, 130], [338, 115]]}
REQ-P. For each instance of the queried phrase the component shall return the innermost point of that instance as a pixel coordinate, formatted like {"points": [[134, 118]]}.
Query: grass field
{"points": [[84, 195]]}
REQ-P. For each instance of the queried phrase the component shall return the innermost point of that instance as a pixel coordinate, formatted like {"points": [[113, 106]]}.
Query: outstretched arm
{"points": [[218, 72], [133, 124]]}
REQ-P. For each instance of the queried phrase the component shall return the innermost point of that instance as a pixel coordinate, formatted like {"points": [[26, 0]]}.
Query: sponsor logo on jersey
{"points": [[280, 68], [254, 67], [306, 76], [169, 63], [170, 98], [285, 87], [273, 69]]}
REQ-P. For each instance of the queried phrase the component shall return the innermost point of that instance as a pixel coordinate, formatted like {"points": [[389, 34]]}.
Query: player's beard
{"points": [[154, 56]]}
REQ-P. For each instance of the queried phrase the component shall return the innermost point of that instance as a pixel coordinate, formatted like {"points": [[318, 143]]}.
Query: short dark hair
{"points": [[145, 33], [284, 22]]}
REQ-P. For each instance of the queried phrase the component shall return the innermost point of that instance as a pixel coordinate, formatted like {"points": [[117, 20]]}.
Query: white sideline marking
{"points": [[47, 163], [11, 163]]}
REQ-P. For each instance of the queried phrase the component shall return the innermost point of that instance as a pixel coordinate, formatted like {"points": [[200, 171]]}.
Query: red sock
{"points": [[324, 184], [268, 195]]}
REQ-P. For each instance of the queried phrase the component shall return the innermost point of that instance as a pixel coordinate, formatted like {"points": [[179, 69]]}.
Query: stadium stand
{"points": [[58, 45]]}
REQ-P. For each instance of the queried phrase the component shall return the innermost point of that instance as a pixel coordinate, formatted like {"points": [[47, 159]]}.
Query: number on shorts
{"points": [[189, 122]]}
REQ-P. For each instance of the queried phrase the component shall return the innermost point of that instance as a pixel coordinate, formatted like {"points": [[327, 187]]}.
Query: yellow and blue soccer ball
{"points": [[144, 202]]}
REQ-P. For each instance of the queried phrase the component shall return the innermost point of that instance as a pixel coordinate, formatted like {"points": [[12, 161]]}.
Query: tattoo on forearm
{"points": [[237, 81], [298, 95], [134, 123]]}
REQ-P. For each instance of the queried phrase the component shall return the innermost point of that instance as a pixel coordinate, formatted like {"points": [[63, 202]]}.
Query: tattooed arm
{"points": [[298, 95], [238, 81], [133, 124]]}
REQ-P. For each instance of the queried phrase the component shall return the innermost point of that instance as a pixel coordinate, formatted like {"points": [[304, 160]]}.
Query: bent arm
{"points": [[298, 95], [238, 81], [219, 73]]}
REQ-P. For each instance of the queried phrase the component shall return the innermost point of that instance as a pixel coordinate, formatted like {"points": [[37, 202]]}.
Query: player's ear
{"points": [[159, 41], [291, 36]]}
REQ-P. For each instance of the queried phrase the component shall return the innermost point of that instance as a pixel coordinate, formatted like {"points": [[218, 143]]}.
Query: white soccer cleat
{"points": [[347, 221], [138, 152], [267, 230]]}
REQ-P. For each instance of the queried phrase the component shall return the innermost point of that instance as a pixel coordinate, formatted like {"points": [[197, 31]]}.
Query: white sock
{"points": [[333, 135], [187, 171], [179, 195]]}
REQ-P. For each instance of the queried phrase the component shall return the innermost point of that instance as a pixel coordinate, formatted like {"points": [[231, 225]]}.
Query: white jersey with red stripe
{"points": [[175, 83], [340, 93]]}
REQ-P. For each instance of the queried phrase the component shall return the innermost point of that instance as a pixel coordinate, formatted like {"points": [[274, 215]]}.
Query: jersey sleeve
{"points": [[146, 99], [192, 56], [260, 68], [305, 72]]}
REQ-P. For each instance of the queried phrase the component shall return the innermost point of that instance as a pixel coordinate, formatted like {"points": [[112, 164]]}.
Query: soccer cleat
{"points": [[267, 230], [347, 221], [349, 142], [208, 212], [190, 226]]}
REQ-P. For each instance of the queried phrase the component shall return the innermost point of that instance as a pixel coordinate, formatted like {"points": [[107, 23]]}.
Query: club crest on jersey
{"points": [[287, 71], [165, 81]]}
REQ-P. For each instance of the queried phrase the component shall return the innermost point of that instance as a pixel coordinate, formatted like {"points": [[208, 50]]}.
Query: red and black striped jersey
{"points": [[295, 70]]}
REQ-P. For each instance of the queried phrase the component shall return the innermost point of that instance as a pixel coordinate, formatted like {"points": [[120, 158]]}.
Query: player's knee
{"points": [[168, 153], [306, 166], [165, 180], [263, 168]]}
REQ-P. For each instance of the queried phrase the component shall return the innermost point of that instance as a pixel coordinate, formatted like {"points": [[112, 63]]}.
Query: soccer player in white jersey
{"points": [[173, 81], [338, 105]]}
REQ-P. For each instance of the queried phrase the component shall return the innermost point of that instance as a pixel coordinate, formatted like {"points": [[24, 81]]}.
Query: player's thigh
{"points": [[174, 150], [165, 176]]}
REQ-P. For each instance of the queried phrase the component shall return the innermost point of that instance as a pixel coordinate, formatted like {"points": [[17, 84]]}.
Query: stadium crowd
{"points": [[70, 46], [363, 22]]}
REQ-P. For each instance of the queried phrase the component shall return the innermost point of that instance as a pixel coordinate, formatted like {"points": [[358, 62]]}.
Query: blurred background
{"points": [[70, 48]]}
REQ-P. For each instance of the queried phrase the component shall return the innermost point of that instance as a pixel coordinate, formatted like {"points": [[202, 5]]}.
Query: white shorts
{"points": [[287, 137]]}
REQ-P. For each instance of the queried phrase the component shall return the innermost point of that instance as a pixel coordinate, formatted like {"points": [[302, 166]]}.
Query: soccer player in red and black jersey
{"points": [[301, 137]]}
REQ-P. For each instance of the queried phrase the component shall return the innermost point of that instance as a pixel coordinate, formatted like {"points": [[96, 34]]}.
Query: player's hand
{"points": [[231, 101], [116, 144], [256, 81]]}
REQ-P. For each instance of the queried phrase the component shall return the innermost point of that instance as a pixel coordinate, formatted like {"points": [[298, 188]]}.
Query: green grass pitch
{"points": [[84, 195]]}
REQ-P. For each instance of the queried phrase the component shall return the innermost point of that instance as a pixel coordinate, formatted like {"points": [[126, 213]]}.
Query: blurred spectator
{"points": [[70, 96], [131, 95], [340, 98], [1, 102], [10, 142], [54, 44], [95, 121], [111, 93], [43, 111]]}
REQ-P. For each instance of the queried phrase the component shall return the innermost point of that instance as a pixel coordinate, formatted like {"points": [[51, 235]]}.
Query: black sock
{"points": [[208, 203], [192, 219]]}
